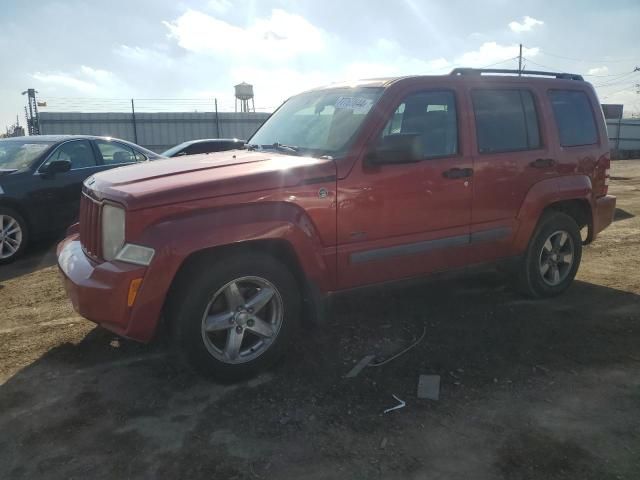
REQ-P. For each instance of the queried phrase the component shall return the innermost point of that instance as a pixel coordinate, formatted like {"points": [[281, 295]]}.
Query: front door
{"points": [[58, 196], [400, 220]]}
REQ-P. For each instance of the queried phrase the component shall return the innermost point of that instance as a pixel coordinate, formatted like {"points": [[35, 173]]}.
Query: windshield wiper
{"points": [[286, 148], [275, 146]]}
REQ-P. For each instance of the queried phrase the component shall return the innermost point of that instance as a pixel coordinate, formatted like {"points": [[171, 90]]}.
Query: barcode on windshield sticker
{"points": [[359, 105]]}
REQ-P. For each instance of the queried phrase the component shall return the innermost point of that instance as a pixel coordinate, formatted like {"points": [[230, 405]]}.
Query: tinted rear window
{"points": [[506, 120], [574, 118]]}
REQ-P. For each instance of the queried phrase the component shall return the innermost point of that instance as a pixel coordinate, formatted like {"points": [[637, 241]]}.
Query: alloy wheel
{"points": [[10, 236], [556, 258], [242, 320]]}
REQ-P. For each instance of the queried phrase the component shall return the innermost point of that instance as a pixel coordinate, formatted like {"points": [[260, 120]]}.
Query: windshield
{"points": [[320, 122], [20, 155]]}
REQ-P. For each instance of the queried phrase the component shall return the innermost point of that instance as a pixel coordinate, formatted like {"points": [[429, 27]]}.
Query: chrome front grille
{"points": [[90, 226]]}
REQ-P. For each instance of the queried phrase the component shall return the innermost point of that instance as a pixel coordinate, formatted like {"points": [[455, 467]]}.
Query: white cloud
{"points": [[86, 80], [274, 85], [527, 24], [219, 6], [400, 66], [146, 57], [491, 52], [280, 36], [598, 71]]}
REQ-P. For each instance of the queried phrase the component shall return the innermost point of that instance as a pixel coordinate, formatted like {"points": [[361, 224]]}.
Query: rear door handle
{"points": [[543, 163], [454, 173]]}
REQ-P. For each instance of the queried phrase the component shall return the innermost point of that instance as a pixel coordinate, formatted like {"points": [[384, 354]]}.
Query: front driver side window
{"points": [[78, 152], [432, 115]]}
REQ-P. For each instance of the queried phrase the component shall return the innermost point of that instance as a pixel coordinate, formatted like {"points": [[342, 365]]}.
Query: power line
{"points": [[616, 81], [501, 61], [628, 87], [544, 52]]}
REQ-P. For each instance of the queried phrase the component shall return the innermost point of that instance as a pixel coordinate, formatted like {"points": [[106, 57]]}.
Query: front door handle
{"points": [[454, 173], [543, 163]]}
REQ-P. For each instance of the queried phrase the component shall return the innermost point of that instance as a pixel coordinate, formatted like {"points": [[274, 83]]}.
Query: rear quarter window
{"points": [[574, 118]]}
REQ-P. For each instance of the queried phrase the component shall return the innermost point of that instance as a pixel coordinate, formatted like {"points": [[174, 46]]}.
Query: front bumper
{"points": [[99, 291], [605, 208]]}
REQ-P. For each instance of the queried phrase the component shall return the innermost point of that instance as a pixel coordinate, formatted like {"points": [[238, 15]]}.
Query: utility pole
{"points": [[215, 101], [133, 120], [31, 112], [520, 62]]}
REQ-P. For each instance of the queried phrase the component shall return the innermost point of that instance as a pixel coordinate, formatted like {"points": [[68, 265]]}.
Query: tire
{"points": [[552, 258], [14, 235], [206, 299]]}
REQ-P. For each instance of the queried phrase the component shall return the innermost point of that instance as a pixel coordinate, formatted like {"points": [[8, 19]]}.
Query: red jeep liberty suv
{"points": [[345, 186]]}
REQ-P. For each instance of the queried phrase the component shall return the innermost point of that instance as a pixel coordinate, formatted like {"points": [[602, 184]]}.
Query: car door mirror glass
{"points": [[58, 166], [397, 148]]}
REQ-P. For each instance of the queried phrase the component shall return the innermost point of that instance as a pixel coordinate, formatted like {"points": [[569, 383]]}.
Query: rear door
{"points": [[512, 154], [407, 219]]}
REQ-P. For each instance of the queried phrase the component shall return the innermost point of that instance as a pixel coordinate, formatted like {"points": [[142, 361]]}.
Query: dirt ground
{"points": [[530, 389]]}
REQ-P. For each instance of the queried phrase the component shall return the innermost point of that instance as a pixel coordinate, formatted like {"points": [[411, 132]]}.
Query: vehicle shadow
{"points": [[106, 408], [40, 255], [621, 214]]}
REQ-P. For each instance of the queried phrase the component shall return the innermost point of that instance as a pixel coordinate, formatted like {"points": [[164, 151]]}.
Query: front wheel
{"points": [[13, 235], [552, 258], [236, 316]]}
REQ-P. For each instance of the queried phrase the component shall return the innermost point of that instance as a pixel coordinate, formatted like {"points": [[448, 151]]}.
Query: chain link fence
{"points": [[156, 124]]}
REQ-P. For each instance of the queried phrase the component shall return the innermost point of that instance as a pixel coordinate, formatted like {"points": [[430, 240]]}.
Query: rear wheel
{"points": [[235, 317], [13, 235], [552, 258]]}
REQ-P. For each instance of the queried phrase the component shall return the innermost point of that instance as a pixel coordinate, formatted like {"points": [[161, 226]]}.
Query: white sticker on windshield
{"points": [[359, 105]]}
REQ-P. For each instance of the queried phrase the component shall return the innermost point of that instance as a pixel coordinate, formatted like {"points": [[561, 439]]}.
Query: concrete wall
{"points": [[155, 131], [160, 131], [624, 135]]}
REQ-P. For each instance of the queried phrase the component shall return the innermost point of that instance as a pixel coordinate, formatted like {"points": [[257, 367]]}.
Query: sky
{"points": [[92, 54]]}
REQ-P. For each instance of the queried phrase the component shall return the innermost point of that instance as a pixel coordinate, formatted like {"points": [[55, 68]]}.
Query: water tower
{"points": [[244, 93]]}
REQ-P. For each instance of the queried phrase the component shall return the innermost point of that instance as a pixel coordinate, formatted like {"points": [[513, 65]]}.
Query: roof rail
{"points": [[480, 71]]}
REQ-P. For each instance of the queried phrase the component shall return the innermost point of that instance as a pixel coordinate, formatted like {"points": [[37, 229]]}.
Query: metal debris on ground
{"points": [[400, 405], [360, 366], [393, 357], [429, 387], [366, 361]]}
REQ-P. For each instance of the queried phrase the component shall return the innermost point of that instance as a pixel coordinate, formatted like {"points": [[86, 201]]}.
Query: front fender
{"points": [[543, 194], [176, 238]]}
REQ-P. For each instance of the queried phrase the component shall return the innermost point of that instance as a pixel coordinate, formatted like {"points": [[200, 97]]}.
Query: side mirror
{"points": [[58, 166], [397, 148]]}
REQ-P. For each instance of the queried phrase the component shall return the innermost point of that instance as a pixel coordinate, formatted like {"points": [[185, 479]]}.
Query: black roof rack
{"points": [[480, 71]]}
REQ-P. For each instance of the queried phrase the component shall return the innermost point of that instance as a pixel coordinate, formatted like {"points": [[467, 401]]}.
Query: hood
{"points": [[7, 171], [194, 177]]}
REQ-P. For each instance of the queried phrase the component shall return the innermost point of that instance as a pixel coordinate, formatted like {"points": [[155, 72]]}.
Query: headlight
{"points": [[112, 231], [136, 254]]}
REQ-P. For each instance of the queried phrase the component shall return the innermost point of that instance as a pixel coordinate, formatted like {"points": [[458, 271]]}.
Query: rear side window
{"points": [[114, 153], [506, 120], [574, 118]]}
